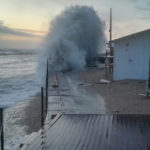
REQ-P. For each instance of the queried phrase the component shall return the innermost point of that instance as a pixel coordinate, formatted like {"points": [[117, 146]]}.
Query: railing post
{"points": [[42, 106], [47, 87], [2, 132], [42, 119]]}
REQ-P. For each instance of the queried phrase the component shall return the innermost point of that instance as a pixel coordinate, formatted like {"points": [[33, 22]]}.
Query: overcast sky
{"points": [[23, 23]]}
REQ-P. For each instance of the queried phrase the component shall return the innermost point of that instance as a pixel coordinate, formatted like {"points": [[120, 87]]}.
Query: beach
{"points": [[121, 97], [21, 120]]}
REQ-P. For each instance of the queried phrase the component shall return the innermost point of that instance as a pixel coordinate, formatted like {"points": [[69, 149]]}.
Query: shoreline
{"points": [[21, 120]]}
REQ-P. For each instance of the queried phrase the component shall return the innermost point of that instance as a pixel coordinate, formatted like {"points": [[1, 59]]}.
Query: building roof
{"points": [[130, 35], [97, 132]]}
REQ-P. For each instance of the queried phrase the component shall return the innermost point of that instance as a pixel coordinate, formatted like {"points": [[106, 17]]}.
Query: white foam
{"points": [[75, 37]]}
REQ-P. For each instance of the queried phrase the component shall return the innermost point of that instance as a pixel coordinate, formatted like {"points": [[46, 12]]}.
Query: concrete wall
{"points": [[131, 57]]}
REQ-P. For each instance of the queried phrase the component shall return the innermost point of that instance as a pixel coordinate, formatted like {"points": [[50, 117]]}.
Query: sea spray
{"points": [[74, 38]]}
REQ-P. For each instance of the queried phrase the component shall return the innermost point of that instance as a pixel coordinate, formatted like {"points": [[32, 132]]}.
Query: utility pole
{"points": [[108, 60], [110, 30]]}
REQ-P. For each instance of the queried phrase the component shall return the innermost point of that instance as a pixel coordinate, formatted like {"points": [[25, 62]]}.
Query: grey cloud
{"points": [[135, 0], [143, 6], [6, 30], [143, 10]]}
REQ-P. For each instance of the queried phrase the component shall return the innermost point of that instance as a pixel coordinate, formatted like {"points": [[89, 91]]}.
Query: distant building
{"points": [[132, 56]]}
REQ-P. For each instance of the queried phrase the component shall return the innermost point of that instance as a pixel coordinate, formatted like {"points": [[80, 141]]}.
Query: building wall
{"points": [[131, 57]]}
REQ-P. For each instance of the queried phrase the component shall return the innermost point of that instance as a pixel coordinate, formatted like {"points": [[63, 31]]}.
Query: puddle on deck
{"points": [[86, 101]]}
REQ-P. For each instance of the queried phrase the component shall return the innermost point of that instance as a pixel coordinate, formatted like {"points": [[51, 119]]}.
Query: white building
{"points": [[132, 56]]}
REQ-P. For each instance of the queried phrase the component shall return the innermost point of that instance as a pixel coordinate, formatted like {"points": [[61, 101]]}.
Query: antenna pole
{"points": [[110, 30]]}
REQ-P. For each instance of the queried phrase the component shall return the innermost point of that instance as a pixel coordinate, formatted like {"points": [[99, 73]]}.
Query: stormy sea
{"points": [[19, 83], [18, 79]]}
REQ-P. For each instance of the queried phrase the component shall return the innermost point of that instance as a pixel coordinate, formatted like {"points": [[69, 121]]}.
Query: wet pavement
{"points": [[72, 98]]}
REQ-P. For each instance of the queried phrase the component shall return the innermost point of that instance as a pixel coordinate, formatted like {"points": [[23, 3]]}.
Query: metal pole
{"points": [[42, 118], [2, 132], [110, 42], [148, 82], [47, 87]]}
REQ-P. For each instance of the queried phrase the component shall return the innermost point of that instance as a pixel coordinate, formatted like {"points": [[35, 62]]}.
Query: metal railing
{"points": [[44, 99], [46, 86], [44, 108]]}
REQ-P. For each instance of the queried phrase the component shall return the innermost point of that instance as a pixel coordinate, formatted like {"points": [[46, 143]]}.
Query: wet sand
{"points": [[32, 114], [21, 120], [119, 96]]}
